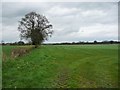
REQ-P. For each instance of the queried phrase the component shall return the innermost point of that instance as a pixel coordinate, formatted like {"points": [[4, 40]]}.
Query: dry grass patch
{"points": [[17, 52]]}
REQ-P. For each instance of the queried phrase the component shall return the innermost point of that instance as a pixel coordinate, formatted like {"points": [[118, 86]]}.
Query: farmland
{"points": [[65, 66]]}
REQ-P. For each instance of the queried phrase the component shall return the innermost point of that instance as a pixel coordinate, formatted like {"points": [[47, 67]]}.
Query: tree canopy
{"points": [[35, 28]]}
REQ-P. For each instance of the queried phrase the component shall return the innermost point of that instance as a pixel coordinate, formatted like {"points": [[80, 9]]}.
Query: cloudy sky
{"points": [[72, 21]]}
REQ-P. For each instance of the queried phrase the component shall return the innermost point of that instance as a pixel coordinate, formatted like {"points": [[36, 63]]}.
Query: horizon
{"points": [[64, 42]]}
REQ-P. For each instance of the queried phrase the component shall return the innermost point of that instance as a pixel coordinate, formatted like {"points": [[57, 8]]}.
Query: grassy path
{"points": [[84, 66]]}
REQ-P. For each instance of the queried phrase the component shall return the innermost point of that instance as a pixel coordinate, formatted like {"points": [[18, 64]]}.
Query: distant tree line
{"points": [[83, 42], [65, 43], [14, 43]]}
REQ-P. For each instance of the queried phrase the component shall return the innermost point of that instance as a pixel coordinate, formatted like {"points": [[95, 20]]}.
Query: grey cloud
{"points": [[69, 19]]}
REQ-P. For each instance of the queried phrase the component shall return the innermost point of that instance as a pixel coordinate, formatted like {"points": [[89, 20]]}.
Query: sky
{"points": [[72, 21]]}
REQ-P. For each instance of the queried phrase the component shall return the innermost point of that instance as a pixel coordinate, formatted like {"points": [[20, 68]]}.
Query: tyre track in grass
{"points": [[62, 78]]}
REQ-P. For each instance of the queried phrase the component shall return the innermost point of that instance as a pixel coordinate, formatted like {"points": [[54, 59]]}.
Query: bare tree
{"points": [[35, 28]]}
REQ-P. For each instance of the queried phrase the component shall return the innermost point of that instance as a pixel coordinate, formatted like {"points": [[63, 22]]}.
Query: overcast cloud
{"points": [[72, 21]]}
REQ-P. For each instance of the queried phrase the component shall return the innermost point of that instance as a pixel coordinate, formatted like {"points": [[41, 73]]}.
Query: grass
{"points": [[0, 67], [66, 66]]}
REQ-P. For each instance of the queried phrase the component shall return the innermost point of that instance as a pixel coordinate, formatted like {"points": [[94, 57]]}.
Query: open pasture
{"points": [[66, 66]]}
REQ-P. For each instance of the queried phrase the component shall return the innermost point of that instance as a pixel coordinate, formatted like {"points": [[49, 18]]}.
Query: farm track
{"points": [[62, 78]]}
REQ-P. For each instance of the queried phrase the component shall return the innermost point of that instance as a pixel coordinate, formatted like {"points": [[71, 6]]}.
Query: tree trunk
{"points": [[36, 46]]}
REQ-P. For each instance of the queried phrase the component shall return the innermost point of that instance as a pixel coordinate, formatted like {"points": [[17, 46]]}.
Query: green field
{"points": [[66, 66]]}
